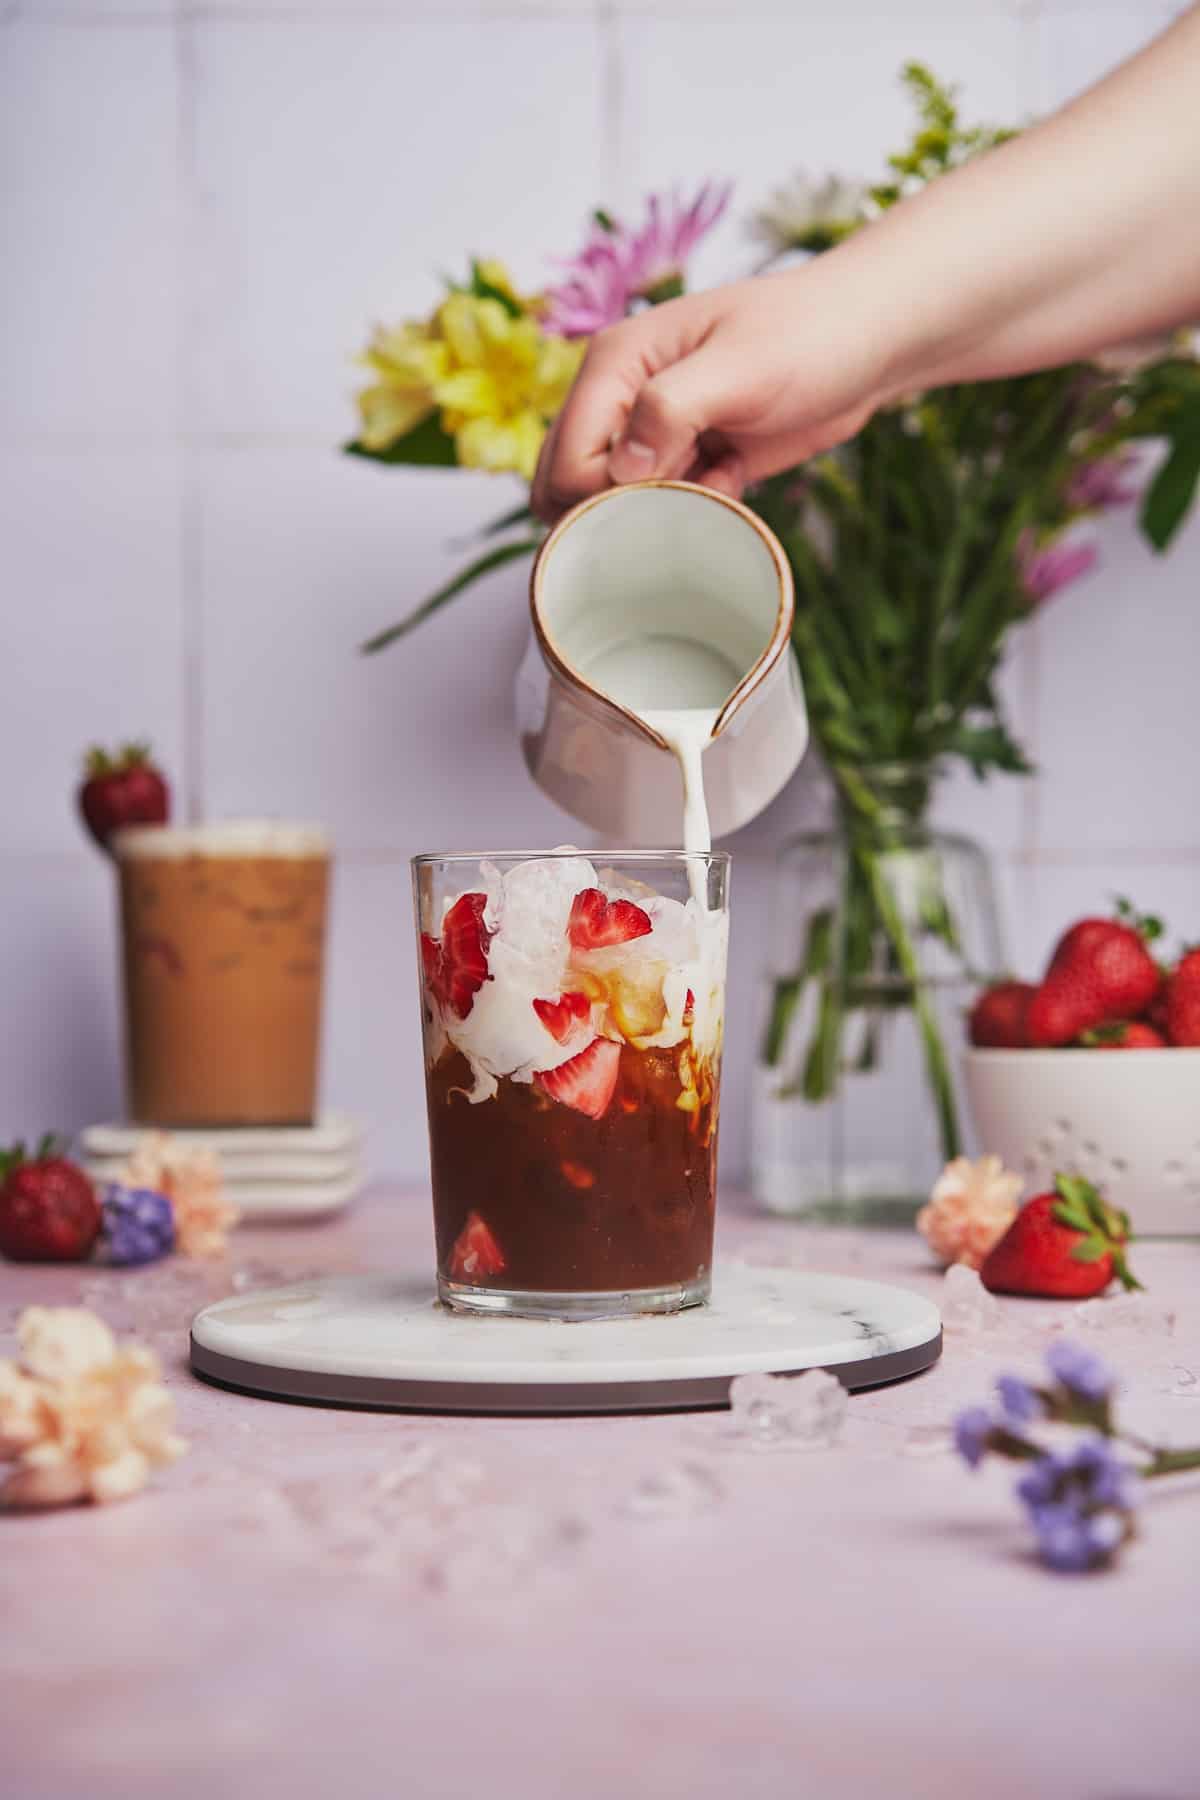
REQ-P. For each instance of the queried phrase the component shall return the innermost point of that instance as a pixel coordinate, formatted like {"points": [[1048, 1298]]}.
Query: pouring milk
{"points": [[667, 602], [677, 687]]}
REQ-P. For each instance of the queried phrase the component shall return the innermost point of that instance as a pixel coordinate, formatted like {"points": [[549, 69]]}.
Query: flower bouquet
{"points": [[949, 519]]}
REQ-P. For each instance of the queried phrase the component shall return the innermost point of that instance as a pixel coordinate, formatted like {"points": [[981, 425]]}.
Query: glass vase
{"points": [[881, 929]]}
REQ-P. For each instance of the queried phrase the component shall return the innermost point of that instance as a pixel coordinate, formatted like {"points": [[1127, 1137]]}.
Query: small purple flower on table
{"points": [[137, 1225], [1020, 1401], [619, 266], [972, 1435], [1081, 1372], [1081, 1505], [1080, 1493]]}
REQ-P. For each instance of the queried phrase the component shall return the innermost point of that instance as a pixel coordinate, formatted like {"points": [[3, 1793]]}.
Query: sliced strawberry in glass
{"points": [[560, 1017], [597, 923], [586, 1082], [475, 1251], [457, 967]]}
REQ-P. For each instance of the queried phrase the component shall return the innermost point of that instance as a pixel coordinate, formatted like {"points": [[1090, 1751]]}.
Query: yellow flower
{"points": [[506, 381], [408, 360]]}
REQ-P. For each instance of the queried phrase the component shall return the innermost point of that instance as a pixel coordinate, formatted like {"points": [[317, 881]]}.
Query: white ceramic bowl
{"points": [[1127, 1119]]}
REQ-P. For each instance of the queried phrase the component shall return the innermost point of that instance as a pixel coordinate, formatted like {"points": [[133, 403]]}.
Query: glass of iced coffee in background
{"points": [[223, 949], [573, 1016]]}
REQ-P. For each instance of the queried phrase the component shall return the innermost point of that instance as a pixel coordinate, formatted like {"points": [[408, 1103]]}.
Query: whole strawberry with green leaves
{"points": [[122, 789], [49, 1211], [1066, 1244]]}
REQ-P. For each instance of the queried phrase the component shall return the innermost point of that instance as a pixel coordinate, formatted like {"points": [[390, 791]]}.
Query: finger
{"points": [[724, 474], [574, 458], [670, 413]]}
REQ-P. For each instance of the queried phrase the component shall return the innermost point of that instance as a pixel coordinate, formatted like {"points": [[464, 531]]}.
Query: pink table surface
{"points": [[333, 1603]]}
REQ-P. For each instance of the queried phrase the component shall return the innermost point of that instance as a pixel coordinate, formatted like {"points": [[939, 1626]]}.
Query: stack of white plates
{"points": [[271, 1172]]}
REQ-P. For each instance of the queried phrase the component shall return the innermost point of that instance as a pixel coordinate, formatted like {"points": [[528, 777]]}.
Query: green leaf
{"points": [[1173, 489], [603, 219], [426, 444], [483, 289], [483, 565], [1092, 1250], [518, 515], [783, 1006]]}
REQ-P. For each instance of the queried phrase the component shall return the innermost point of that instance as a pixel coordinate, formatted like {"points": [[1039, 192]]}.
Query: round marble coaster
{"points": [[377, 1341]]}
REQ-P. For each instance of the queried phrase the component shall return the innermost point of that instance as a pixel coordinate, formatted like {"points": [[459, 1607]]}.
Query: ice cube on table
{"points": [[676, 1491], [805, 1412], [966, 1305], [1126, 1312]]}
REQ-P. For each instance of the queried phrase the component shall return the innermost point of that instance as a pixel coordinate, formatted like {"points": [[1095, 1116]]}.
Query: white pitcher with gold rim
{"points": [[660, 609]]}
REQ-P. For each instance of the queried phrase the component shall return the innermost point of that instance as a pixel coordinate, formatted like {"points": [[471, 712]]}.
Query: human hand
{"points": [[722, 388]]}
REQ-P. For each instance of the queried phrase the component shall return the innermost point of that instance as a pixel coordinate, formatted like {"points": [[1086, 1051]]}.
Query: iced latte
{"points": [[573, 1017], [223, 939]]}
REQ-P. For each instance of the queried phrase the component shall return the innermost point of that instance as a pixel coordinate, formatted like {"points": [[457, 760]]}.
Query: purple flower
{"points": [[137, 1225], [972, 1430], [1043, 571], [1080, 1503], [1080, 1371], [1098, 485], [619, 266], [1020, 1402]]}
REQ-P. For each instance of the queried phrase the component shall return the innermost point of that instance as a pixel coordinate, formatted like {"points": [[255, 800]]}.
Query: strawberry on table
{"points": [[123, 789], [597, 923], [1066, 1244], [586, 1082], [998, 1017], [475, 1252], [49, 1211], [456, 967], [1183, 1000], [1101, 970]]}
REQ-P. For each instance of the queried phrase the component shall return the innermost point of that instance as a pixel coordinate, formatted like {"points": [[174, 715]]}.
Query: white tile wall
{"points": [[204, 203]]}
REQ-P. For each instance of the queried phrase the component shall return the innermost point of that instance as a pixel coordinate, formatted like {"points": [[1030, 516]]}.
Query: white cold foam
{"points": [[222, 837]]}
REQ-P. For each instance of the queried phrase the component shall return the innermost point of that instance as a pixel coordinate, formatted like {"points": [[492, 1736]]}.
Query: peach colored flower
{"points": [[191, 1180], [80, 1417], [971, 1207]]}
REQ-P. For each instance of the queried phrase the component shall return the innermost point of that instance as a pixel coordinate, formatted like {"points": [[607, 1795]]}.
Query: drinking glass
{"points": [[573, 1012], [223, 946]]}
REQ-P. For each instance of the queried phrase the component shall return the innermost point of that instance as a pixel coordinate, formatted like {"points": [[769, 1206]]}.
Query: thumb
{"points": [[672, 409]]}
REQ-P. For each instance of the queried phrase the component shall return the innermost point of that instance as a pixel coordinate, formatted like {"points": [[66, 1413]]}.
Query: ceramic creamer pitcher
{"points": [[660, 597]]}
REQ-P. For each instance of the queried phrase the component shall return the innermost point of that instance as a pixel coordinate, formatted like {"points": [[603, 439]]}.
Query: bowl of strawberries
{"points": [[1044, 1102]]}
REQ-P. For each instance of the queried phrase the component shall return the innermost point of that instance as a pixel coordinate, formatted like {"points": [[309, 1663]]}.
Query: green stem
{"points": [[1171, 1462], [935, 1051]]}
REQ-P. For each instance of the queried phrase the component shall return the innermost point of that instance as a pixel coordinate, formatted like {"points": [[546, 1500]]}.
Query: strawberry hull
{"points": [[575, 1204]]}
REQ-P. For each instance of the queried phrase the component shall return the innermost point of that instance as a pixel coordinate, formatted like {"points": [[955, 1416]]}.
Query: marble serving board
{"points": [[380, 1341]]}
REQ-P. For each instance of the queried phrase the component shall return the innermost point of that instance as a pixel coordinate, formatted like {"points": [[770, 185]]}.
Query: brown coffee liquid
{"points": [[577, 1204], [223, 959]]}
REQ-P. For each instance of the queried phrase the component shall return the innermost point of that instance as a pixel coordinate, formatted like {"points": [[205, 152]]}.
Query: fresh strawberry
{"points": [[1183, 1000], [475, 1252], [597, 923], [48, 1208], [1062, 1245], [457, 967], [1101, 970], [1124, 1034], [125, 789], [588, 1081], [560, 1017], [997, 1020]]}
